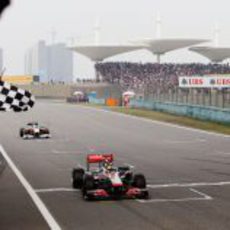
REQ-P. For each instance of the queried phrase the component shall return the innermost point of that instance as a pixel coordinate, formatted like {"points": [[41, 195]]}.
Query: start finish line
{"points": [[211, 81]]}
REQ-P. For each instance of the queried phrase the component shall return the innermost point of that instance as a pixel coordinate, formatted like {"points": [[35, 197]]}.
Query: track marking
{"points": [[54, 151], [205, 196], [36, 199], [222, 153], [198, 184], [202, 196], [45, 190], [185, 141]]}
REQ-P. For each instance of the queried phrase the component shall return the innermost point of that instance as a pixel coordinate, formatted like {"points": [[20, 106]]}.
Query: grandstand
{"points": [[160, 81], [133, 76], [156, 81]]}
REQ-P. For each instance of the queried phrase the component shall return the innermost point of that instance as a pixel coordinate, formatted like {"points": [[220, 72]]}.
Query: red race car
{"points": [[102, 180]]}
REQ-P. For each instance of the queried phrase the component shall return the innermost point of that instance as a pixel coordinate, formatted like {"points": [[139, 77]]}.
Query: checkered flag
{"points": [[14, 98]]}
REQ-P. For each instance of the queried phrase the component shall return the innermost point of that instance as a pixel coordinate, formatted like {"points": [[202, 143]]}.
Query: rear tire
{"points": [[77, 178], [48, 134], [139, 181]]}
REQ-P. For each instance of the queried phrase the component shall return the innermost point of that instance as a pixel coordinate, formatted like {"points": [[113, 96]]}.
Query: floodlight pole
{"points": [[158, 26], [216, 35], [97, 31]]}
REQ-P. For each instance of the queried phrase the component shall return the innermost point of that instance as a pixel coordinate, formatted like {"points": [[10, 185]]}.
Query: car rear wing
{"points": [[97, 158]]}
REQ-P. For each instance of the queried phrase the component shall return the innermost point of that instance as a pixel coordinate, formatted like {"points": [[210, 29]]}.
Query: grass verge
{"points": [[174, 119]]}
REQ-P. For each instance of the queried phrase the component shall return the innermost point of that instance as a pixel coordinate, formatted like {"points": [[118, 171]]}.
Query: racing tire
{"points": [[88, 184], [21, 132], [48, 134], [77, 177], [139, 181]]}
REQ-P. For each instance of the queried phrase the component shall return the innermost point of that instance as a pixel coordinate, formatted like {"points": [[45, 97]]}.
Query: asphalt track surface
{"points": [[188, 172]]}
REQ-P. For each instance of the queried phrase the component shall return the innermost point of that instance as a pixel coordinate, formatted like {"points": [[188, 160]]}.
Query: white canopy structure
{"points": [[157, 46], [162, 46], [98, 53], [214, 54]]}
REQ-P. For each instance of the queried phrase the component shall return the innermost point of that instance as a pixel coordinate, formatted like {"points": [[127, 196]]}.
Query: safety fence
{"points": [[97, 101], [203, 96]]}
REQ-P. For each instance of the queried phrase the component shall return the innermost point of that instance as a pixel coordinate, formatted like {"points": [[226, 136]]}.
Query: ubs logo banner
{"points": [[211, 81]]}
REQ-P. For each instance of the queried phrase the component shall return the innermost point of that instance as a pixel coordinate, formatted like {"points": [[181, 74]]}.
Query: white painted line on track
{"points": [[36, 199], [54, 151], [195, 184], [222, 153], [45, 190], [185, 141], [202, 197], [158, 122], [205, 196]]}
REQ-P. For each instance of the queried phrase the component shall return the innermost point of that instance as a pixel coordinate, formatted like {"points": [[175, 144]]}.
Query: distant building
{"points": [[50, 62]]}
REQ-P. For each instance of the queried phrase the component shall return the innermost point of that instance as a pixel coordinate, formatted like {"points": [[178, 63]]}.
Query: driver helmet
{"points": [[108, 165]]}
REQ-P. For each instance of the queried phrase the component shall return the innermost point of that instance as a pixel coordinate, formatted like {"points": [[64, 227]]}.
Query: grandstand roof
{"points": [[161, 46], [214, 54], [101, 52]]}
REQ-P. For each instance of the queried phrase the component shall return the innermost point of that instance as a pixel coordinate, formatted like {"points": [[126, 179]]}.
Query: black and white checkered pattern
{"points": [[14, 98]]}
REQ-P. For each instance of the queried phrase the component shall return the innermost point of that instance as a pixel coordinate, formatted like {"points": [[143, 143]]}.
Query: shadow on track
{"points": [[3, 164]]}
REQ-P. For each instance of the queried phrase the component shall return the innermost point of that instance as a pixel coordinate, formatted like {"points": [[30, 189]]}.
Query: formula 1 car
{"points": [[106, 181], [33, 130]]}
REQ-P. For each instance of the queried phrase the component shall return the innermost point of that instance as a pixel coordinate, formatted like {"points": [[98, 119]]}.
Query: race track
{"points": [[188, 172]]}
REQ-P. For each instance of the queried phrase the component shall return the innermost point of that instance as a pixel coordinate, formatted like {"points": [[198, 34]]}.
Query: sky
{"points": [[26, 22]]}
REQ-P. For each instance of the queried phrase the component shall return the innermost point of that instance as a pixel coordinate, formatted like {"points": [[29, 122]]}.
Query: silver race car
{"points": [[34, 130]]}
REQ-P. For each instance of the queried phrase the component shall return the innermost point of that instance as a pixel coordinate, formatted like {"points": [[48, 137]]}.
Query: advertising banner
{"points": [[19, 80], [211, 81]]}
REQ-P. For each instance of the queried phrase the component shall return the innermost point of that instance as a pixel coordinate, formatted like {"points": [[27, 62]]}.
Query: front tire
{"points": [[21, 132], [88, 184], [77, 178]]}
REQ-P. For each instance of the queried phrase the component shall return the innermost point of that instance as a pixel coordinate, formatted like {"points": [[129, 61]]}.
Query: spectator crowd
{"points": [[153, 76]]}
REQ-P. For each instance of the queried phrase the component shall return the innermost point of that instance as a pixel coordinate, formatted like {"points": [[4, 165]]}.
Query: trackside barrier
{"points": [[98, 101], [195, 111]]}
